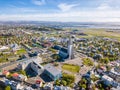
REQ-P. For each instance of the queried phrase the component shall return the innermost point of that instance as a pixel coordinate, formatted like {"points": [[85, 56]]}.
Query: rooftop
{"points": [[52, 69], [29, 60]]}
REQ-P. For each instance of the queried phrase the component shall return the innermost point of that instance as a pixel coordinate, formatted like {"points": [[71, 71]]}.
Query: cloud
{"points": [[109, 5], [66, 7], [80, 16], [20, 10], [104, 6], [38, 2]]}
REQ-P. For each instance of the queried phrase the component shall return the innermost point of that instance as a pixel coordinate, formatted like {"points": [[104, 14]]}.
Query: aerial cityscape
{"points": [[59, 45]]}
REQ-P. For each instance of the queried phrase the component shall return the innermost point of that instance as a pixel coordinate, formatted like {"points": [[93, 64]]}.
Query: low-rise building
{"points": [[37, 67], [107, 80], [19, 77], [23, 64], [15, 47], [61, 88], [48, 86], [14, 85], [52, 72], [39, 83], [2, 48]]}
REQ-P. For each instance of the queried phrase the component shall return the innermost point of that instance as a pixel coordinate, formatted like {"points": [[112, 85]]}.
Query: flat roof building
{"points": [[52, 72]]}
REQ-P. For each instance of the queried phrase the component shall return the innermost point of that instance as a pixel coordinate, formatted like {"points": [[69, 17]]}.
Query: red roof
{"points": [[38, 81], [102, 67], [5, 72], [15, 75]]}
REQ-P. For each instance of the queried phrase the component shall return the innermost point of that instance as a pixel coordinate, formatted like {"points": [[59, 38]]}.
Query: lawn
{"points": [[87, 62], [21, 51], [99, 32], [102, 32], [71, 68], [2, 59]]}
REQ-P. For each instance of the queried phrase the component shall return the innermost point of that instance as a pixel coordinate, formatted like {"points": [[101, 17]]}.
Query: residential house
{"points": [[2, 48], [19, 77], [39, 83], [15, 47], [14, 85]]}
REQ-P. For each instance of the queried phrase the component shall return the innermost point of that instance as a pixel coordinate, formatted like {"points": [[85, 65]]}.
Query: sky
{"points": [[60, 10]]}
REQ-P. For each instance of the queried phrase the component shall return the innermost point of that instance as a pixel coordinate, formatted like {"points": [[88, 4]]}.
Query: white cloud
{"points": [[38, 2], [80, 16], [104, 6], [66, 7], [109, 5]]}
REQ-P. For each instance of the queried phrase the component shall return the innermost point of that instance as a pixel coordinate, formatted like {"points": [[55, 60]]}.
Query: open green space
{"points": [[71, 68], [37, 45], [103, 33], [87, 62], [96, 32], [67, 80], [21, 51]]}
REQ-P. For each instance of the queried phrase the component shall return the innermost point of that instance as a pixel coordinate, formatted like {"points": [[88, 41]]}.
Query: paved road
{"points": [[8, 64]]}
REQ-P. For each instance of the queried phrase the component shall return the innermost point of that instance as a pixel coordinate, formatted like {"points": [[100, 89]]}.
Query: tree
{"points": [[84, 86], [87, 62], [68, 78], [82, 83], [56, 64], [57, 82], [64, 82], [106, 60], [7, 88], [56, 57], [22, 72], [93, 87], [108, 68]]}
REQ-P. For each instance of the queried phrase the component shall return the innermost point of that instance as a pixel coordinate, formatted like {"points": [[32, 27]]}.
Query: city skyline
{"points": [[60, 10]]}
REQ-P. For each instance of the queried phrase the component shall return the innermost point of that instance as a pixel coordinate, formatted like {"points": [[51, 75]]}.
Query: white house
{"points": [[14, 47], [107, 80], [2, 48]]}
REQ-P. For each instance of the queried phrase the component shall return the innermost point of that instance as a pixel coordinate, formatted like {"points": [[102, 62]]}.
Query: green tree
{"points": [[64, 82], [57, 82], [84, 86], [106, 60], [7, 88], [22, 72]]}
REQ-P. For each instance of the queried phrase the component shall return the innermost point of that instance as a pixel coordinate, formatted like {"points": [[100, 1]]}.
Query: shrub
{"points": [[7, 88]]}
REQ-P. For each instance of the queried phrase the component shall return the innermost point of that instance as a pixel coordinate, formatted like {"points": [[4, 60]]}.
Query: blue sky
{"points": [[60, 10]]}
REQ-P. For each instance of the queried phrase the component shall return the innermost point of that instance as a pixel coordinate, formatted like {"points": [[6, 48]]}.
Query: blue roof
{"points": [[64, 50], [57, 47]]}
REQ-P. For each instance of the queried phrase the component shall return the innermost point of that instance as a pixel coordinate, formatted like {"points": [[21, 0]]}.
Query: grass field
{"points": [[91, 32], [21, 51], [87, 62], [71, 68], [103, 33]]}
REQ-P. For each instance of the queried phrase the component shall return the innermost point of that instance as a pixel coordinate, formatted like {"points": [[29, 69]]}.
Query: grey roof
{"points": [[29, 60], [52, 69], [26, 60]]}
